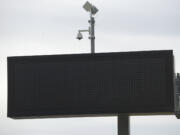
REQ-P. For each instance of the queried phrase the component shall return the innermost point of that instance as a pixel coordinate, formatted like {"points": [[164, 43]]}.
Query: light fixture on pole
{"points": [[93, 10]]}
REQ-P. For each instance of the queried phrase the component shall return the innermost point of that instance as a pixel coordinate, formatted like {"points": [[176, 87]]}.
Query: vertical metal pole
{"points": [[92, 35], [123, 124], [177, 95]]}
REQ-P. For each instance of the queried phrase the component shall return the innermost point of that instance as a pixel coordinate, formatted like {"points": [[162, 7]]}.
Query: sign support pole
{"points": [[123, 124]]}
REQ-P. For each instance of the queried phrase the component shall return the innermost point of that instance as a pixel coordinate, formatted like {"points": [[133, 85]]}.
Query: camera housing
{"points": [[90, 8], [79, 36]]}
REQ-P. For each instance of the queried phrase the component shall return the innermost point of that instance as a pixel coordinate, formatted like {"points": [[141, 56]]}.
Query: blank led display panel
{"points": [[90, 84]]}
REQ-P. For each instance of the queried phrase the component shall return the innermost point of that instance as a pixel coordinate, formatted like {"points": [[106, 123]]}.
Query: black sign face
{"points": [[90, 84]]}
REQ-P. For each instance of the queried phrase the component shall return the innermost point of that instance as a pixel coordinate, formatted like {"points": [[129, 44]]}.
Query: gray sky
{"points": [[38, 27]]}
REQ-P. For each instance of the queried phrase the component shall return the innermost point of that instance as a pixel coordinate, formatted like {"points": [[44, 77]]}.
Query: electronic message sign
{"points": [[91, 84]]}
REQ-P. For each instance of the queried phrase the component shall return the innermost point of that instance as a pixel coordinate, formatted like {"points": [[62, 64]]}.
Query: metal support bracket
{"points": [[177, 95]]}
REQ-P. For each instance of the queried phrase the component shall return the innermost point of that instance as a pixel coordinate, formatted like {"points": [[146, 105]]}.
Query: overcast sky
{"points": [[38, 27]]}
